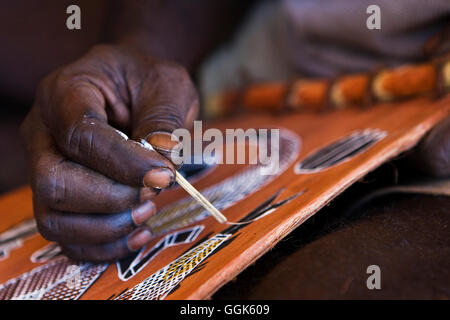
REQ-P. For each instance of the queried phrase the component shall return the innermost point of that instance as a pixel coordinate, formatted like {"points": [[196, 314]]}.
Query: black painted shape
{"points": [[124, 264], [339, 151], [260, 210]]}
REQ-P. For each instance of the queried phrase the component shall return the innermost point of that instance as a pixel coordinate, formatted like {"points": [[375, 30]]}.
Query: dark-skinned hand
{"points": [[92, 187]]}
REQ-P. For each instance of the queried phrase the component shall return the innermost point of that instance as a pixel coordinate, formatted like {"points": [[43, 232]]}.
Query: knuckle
{"points": [[73, 138], [80, 136], [102, 49], [173, 71], [182, 73]]}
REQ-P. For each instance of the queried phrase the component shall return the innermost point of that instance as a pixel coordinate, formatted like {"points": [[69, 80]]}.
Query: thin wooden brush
{"points": [[187, 186], [199, 197]]}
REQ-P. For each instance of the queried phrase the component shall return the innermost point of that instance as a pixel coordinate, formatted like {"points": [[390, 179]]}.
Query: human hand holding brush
{"points": [[92, 185]]}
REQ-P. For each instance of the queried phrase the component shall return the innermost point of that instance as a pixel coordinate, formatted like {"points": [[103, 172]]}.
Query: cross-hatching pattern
{"points": [[55, 280], [161, 283]]}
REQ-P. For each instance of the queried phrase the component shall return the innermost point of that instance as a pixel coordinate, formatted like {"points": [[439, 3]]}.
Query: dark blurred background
{"points": [[30, 47]]}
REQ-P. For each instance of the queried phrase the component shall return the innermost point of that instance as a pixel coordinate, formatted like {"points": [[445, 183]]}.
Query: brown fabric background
{"points": [[407, 236]]}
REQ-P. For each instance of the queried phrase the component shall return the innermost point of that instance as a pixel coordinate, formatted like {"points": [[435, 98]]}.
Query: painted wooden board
{"points": [[193, 255]]}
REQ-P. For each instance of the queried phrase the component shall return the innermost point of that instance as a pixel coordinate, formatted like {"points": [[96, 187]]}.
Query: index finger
{"points": [[78, 124], [169, 102]]}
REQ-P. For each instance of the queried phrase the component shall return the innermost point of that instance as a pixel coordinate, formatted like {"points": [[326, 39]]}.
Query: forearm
{"points": [[178, 30]]}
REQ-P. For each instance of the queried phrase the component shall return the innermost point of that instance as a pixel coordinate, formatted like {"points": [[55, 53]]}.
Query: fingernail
{"points": [[149, 193], [162, 140], [159, 178], [143, 212], [138, 239]]}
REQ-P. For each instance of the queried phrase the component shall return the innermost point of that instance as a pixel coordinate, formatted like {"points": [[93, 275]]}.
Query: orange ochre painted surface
{"points": [[405, 124]]}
